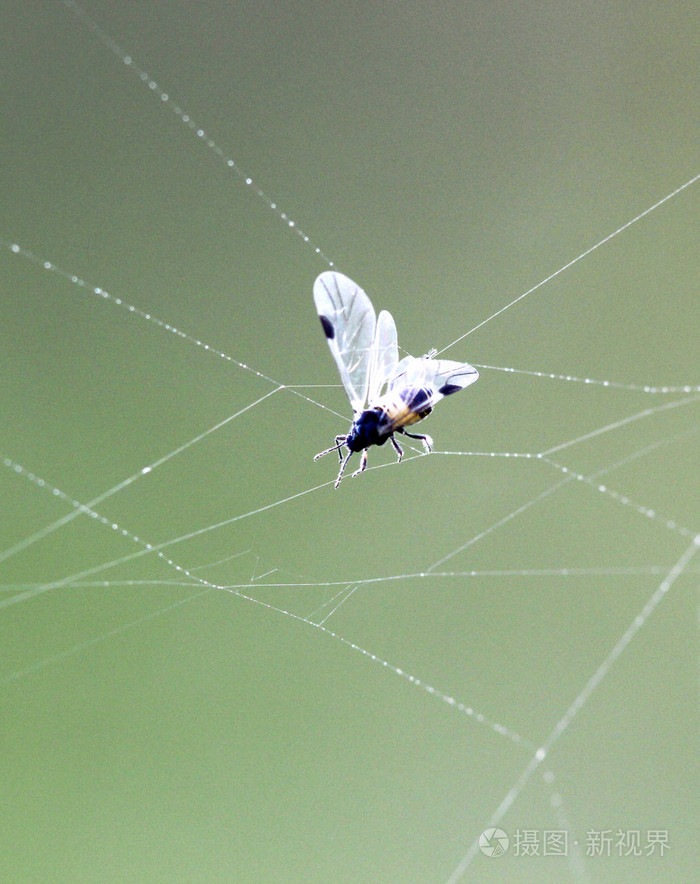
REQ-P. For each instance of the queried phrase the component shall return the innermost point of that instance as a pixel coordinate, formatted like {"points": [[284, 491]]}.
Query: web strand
{"points": [[347, 592], [575, 260], [581, 699], [166, 100], [147, 547]]}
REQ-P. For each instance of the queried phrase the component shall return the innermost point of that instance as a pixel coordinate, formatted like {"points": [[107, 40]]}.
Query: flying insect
{"points": [[386, 395]]}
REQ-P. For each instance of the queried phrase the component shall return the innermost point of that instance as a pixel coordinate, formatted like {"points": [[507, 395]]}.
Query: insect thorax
{"points": [[367, 430], [396, 409]]}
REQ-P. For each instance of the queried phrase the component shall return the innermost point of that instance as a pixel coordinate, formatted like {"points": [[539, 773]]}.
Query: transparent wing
{"points": [[349, 323], [385, 356], [439, 376]]}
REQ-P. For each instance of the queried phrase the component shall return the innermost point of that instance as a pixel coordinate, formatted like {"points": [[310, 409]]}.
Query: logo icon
{"points": [[493, 842]]}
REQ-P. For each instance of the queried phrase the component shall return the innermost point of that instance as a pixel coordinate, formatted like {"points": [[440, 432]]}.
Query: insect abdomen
{"points": [[404, 407], [417, 400]]}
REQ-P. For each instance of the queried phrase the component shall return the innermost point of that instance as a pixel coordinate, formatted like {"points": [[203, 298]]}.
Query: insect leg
{"points": [[362, 467], [343, 464], [426, 440], [339, 442], [397, 448]]}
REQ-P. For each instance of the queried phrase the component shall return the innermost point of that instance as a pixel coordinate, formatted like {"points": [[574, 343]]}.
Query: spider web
{"points": [[215, 666]]}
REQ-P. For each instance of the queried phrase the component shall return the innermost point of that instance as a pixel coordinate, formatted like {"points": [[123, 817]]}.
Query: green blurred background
{"points": [[447, 156]]}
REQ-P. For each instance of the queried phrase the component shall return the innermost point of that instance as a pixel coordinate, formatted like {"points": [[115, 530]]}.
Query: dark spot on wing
{"points": [[416, 398], [448, 389], [328, 329]]}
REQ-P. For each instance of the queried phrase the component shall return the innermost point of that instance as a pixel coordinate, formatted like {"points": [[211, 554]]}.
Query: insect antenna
{"points": [[339, 442]]}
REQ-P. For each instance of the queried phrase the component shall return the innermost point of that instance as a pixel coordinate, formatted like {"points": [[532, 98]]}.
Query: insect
{"points": [[386, 395]]}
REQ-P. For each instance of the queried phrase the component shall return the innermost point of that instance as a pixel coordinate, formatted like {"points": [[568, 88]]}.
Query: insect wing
{"points": [[385, 356], [439, 376], [349, 323]]}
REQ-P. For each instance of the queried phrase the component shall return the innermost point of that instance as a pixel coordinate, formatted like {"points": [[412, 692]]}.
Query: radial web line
{"points": [[124, 483], [615, 425], [148, 547], [537, 752], [133, 310], [481, 573], [572, 474], [507, 518], [575, 260], [167, 101], [94, 640], [16, 249], [575, 707], [158, 548], [594, 382]]}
